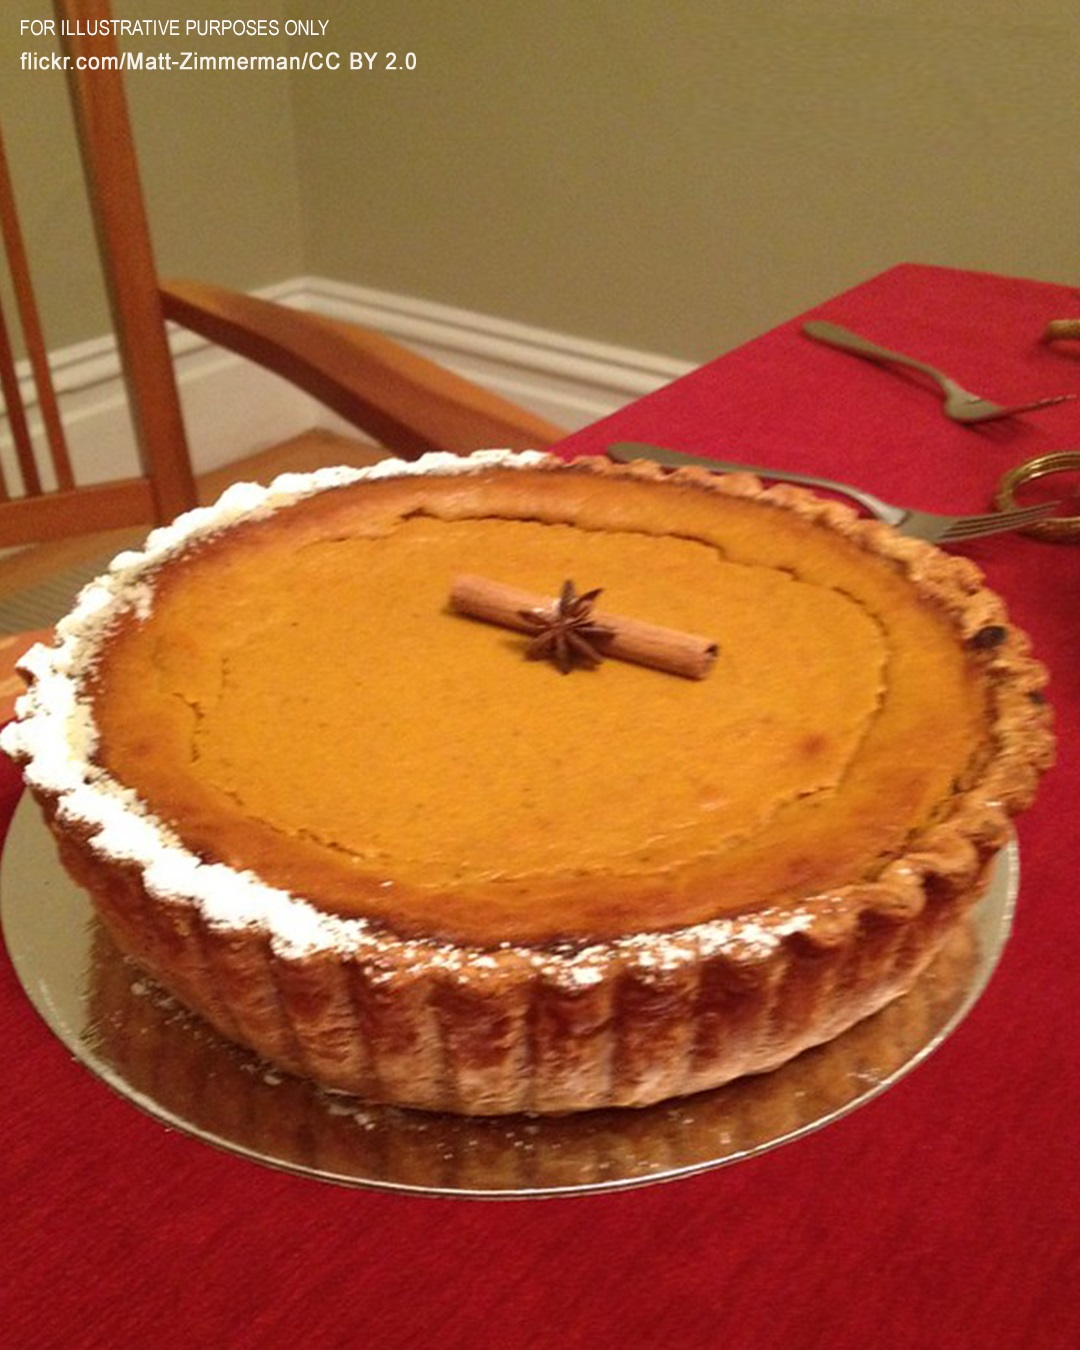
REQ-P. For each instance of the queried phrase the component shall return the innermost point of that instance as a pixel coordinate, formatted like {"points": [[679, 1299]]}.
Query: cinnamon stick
{"points": [[635, 640]]}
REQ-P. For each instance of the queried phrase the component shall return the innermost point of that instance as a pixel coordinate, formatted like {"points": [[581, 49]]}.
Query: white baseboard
{"points": [[233, 408]]}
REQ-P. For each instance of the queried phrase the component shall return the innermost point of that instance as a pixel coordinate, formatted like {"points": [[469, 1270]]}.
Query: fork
{"points": [[960, 405], [915, 524]]}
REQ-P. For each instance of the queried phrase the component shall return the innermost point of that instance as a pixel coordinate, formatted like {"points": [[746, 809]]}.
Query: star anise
{"points": [[567, 634]]}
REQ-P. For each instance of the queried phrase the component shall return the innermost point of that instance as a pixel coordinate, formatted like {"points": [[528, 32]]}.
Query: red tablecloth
{"points": [[944, 1213]]}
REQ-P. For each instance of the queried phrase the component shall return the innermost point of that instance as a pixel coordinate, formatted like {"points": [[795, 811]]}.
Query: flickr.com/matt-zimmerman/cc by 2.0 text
{"points": [[133, 58]]}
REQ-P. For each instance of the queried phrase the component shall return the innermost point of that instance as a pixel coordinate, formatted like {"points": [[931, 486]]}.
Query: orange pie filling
{"points": [[340, 731]]}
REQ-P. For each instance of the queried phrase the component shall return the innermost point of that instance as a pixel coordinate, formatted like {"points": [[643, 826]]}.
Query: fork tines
{"points": [[971, 527], [1044, 402]]}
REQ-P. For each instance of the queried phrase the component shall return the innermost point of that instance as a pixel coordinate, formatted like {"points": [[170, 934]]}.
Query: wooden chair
{"points": [[404, 402]]}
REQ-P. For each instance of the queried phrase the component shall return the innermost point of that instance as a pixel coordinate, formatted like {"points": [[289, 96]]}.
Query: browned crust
{"points": [[508, 1037], [630, 1022], [178, 1064]]}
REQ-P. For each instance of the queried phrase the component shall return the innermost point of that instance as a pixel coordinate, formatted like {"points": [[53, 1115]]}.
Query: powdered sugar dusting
{"points": [[54, 739]]}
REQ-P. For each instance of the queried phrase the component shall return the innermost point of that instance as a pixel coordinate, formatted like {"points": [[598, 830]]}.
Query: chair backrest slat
{"points": [[108, 156], [13, 406], [22, 286]]}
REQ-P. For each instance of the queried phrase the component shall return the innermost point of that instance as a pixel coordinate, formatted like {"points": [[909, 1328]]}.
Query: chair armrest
{"points": [[407, 403]]}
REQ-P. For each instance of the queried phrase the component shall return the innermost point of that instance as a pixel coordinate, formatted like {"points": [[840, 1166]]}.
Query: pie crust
{"points": [[363, 837]]}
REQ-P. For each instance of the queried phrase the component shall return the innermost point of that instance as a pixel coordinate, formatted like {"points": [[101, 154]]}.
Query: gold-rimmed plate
{"points": [[137, 1039]]}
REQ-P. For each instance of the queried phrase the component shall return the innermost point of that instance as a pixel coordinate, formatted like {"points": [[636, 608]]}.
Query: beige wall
{"points": [[670, 176], [219, 162]]}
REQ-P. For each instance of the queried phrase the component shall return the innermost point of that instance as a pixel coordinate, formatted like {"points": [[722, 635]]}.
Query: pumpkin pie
{"points": [[361, 834]]}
